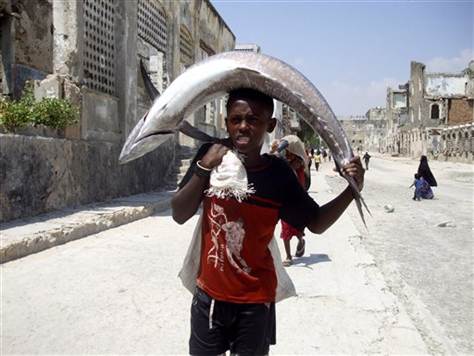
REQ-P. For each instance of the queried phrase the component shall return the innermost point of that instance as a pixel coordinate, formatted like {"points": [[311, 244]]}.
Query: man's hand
{"points": [[214, 155], [354, 169]]}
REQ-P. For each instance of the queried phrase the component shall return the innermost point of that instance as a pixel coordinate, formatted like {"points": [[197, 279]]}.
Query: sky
{"points": [[353, 50]]}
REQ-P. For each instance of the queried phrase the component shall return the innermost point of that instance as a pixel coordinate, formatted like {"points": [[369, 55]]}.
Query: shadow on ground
{"points": [[307, 261]]}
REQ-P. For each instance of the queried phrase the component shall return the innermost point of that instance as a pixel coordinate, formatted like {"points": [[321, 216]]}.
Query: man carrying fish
{"points": [[243, 195]]}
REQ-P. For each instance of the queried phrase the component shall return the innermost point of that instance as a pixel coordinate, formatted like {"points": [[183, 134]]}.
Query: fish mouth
{"points": [[134, 150]]}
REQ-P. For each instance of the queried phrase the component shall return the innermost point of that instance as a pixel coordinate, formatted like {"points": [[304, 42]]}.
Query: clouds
{"points": [[454, 64], [347, 98]]}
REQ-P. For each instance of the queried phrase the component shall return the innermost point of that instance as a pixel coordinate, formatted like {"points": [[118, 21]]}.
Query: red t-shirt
{"points": [[236, 263]]}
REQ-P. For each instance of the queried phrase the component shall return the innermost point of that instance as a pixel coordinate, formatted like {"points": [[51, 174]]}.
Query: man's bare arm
{"points": [[186, 201], [331, 211]]}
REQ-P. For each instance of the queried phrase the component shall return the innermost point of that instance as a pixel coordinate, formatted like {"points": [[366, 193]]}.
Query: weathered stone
{"points": [[72, 93], [39, 174], [100, 117], [446, 224], [50, 87], [388, 208], [58, 228], [46, 174]]}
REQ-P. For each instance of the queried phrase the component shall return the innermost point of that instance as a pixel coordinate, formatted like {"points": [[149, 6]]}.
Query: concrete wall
{"points": [[92, 60], [40, 174], [439, 85]]}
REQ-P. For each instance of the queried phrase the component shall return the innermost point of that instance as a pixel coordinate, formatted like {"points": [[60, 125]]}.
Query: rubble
{"points": [[446, 224], [388, 208]]}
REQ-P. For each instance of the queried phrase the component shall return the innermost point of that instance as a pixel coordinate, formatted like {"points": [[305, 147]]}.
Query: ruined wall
{"points": [[33, 48], [460, 111], [91, 49], [444, 85], [457, 143], [40, 174], [418, 107]]}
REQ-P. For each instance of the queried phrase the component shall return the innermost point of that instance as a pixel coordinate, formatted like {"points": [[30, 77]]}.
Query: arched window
{"points": [[434, 111]]}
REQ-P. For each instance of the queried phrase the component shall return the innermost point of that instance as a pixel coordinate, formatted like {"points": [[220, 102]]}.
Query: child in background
{"points": [[422, 188], [296, 158], [417, 184], [317, 160]]}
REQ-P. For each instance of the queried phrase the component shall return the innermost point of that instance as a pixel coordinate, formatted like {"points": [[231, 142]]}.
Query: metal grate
{"points": [[152, 25], [99, 45], [186, 48]]}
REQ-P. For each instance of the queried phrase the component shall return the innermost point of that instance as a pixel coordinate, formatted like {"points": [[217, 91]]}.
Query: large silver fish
{"points": [[221, 73]]}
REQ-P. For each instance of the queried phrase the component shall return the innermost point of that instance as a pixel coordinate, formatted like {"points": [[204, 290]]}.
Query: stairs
{"points": [[184, 157]]}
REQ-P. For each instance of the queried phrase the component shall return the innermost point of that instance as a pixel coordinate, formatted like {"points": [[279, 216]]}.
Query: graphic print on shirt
{"points": [[227, 240]]}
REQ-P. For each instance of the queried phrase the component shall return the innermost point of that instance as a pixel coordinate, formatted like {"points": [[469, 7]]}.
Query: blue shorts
{"points": [[244, 329]]}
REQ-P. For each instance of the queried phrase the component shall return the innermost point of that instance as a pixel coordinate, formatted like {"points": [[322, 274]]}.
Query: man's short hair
{"points": [[251, 94]]}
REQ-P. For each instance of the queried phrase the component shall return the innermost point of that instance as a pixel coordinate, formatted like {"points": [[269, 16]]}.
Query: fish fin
{"points": [[151, 90], [361, 212], [358, 198], [193, 132]]}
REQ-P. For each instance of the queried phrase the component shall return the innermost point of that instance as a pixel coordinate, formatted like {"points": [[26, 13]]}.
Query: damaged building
{"points": [[432, 115], [366, 133], [88, 52]]}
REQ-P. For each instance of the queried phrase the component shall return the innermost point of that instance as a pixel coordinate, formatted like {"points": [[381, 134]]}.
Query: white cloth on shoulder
{"points": [[229, 179]]}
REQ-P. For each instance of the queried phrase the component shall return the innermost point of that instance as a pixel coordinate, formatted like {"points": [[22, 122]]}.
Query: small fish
{"points": [[221, 73]]}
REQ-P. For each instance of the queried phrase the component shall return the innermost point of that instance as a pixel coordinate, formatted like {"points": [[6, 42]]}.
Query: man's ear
{"points": [[271, 125]]}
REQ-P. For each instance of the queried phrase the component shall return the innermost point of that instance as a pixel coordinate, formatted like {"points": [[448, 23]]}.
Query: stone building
{"points": [[88, 51], [396, 116], [356, 128], [434, 115], [376, 128]]}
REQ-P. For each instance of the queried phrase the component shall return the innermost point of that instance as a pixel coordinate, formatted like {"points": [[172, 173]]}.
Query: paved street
{"points": [[429, 268], [117, 292]]}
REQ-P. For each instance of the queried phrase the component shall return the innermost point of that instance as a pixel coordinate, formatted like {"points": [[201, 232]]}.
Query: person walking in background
{"points": [[296, 157], [425, 172], [317, 160], [310, 155], [274, 147], [366, 158], [324, 154]]}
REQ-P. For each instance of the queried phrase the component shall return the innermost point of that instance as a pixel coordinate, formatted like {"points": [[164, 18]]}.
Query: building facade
{"points": [[89, 52], [432, 115]]}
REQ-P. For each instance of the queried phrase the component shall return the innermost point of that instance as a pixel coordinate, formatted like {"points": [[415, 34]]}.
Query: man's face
{"points": [[247, 121]]}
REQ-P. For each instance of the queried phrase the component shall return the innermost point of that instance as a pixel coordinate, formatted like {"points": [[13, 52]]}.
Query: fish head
{"points": [[144, 139]]}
